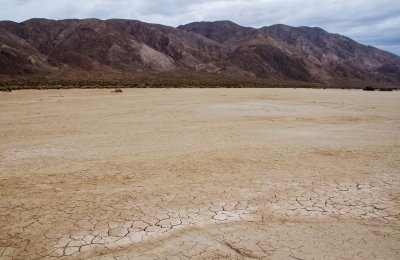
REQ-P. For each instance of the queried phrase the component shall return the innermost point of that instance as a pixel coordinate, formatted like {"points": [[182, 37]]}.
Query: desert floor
{"points": [[201, 173]]}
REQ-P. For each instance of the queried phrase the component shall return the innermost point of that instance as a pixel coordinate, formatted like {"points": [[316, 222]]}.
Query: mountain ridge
{"points": [[54, 48]]}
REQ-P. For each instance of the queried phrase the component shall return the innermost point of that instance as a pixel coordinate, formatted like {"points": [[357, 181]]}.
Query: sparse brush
{"points": [[117, 90], [6, 89], [385, 89], [369, 88]]}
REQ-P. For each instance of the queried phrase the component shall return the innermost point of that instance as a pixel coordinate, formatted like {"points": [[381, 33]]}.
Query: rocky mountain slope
{"points": [[48, 48]]}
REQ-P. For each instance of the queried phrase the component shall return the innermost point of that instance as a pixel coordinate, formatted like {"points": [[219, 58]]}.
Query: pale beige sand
{"points": [[201, 173]]}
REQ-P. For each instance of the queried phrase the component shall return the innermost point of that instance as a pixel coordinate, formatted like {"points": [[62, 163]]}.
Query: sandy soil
{"points": [[201, 173]]}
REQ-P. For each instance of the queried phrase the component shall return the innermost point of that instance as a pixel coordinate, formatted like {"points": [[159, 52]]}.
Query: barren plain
{"points": [[200, 173]]}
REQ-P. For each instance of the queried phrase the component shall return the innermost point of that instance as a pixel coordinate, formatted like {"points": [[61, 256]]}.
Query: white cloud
{"points": [[368, 21]]}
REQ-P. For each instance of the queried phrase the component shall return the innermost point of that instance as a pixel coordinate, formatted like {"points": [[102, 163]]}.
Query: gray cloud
{"points": [[370, 22]]}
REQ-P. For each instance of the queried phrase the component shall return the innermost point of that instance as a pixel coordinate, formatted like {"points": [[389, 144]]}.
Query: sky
{"points": [[371, 22]]}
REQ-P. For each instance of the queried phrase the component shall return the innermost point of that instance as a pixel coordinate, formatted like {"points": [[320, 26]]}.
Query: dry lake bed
{"points": [[200, 173]]}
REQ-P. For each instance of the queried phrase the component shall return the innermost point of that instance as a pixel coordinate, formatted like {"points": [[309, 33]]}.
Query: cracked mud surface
{"points": [[200, 173]]}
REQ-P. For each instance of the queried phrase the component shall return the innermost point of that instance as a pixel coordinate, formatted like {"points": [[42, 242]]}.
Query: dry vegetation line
{"points": [[190, 173]]}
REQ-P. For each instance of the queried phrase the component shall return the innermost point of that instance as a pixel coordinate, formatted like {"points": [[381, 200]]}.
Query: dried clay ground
{"points": [[200, 173]]}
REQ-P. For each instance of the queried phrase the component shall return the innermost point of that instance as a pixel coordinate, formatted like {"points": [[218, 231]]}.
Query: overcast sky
{"points": [[372, 22]]}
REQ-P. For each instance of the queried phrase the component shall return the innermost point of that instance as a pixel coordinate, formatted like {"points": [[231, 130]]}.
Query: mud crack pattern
{"points": [[203, 174]]}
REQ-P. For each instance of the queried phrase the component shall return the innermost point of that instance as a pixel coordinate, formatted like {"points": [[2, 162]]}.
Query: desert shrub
{"points": [[385, 89], [369, 88], [117, 90], [6, 89]]}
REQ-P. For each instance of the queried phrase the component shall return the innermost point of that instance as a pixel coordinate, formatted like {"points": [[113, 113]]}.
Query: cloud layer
{"points": [[370, 22]]}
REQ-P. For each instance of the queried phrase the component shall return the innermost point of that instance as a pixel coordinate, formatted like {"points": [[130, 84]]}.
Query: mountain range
{"points": [[80, 49]]}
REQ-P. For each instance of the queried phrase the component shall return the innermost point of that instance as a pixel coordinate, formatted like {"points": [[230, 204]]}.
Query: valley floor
{"points": [[200, 173]]}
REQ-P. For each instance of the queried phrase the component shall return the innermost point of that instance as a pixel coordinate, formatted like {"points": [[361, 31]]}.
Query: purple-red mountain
{"points": [[49, 48]]}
